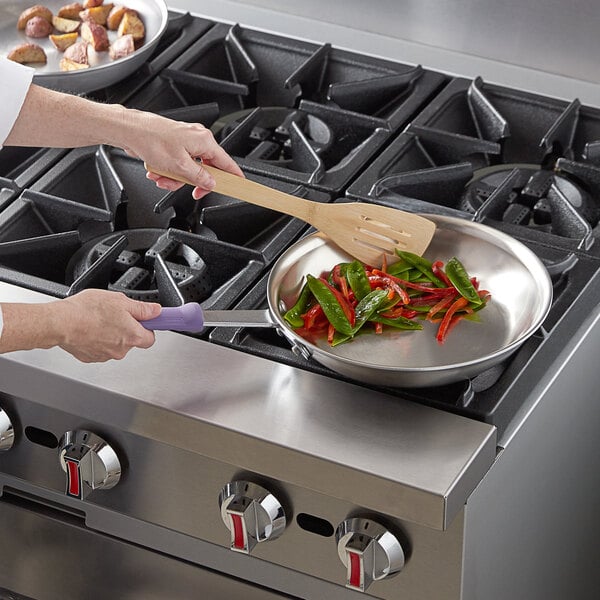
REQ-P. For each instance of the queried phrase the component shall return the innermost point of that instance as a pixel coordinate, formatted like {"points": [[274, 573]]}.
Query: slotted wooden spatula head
{"points": [[365, 231]]}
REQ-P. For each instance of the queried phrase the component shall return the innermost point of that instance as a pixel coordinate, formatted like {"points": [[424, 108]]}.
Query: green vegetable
{"points": [[397, 322], [367, 307], [357, 278], [460, 279], [294, 315], [422, 265], [329, 303]]}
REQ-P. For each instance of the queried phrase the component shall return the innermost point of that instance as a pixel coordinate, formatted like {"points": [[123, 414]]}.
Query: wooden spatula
{"points": [[365, 231]]}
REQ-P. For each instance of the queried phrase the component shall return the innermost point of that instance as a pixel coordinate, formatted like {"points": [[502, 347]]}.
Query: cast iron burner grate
{"points": [[94, 220], [493, 153], [181, 31], [20, 166], [144, 264], [302, 112]]}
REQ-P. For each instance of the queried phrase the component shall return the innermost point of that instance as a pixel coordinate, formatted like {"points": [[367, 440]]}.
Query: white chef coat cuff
{"points": [[15, 80]]}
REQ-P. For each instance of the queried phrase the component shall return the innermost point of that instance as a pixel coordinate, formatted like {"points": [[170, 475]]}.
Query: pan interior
{"points": [[519, 284]]}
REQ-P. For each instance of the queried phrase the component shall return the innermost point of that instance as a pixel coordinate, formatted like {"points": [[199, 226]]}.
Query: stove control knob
{"points": [[7, 433], [251, 513], [89, 462], [369, 552]]}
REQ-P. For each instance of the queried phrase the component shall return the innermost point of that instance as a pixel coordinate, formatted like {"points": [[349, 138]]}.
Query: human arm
{"points": [[54, 119], [93, 325]]}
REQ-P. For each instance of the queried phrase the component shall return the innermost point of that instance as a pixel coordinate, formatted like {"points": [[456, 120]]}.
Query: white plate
{"points": [[105, 71]]}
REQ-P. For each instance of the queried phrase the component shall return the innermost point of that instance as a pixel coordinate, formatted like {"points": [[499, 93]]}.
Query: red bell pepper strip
{"points": [[379, 278], [442, 304], [445, 324], [313, 316], [438, 270]]}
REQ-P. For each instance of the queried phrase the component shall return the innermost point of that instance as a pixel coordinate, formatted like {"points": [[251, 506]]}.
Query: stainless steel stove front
{"points": [[467, 513]]}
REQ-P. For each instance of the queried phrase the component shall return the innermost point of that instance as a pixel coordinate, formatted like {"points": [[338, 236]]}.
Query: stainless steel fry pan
{"points": [[521, 297]]}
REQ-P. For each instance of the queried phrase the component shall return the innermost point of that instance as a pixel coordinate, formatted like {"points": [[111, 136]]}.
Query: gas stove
{"points": [[182, 460]]}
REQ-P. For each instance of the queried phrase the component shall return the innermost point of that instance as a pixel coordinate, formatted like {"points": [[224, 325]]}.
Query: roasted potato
{"points": [[65, 25], [27, 53], [121, 47], [78, 52], [96, 13], [133, 25], [115, 15], [33, 11], [92, 3], [70, 11], [38, 27], [95, 34], [66, 64], [62, 41]]}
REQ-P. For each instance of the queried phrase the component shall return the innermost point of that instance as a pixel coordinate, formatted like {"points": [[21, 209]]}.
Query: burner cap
{"points": [[530, 199], [270, 138]]}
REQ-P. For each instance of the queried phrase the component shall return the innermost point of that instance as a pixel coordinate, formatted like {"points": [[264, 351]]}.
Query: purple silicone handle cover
{"points": [[188, 317]]}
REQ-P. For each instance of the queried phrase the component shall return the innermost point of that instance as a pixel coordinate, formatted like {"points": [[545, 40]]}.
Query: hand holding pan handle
{"points": [[190, 317]]}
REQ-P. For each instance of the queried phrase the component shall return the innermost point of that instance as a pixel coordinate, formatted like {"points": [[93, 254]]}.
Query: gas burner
{"points": [[484, 151], [530, 199], [278, 134], [145, 264]]}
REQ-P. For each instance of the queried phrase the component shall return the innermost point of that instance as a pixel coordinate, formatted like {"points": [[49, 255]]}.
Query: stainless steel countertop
{"points": [[450, 61], [390, 455]]}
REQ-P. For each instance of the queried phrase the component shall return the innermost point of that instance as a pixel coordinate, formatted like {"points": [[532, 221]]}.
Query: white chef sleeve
{"points": [[15, 80]]}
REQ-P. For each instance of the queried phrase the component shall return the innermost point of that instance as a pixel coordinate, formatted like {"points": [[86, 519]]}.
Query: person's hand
{"points": [[173, 147], [99, 325]]}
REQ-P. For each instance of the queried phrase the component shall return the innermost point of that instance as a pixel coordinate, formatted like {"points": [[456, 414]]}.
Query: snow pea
{"points": [[331, 307], [294, 315], [421, 264], [397, 322], [460, 279], [358, 280], [367, 307]]}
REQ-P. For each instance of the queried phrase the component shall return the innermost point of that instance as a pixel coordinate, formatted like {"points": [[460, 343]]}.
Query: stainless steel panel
{"points": [[549, 35], [299, 563], [531, 527]]}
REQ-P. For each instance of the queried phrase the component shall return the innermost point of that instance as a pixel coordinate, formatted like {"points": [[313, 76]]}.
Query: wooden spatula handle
{"points": [[252, 192]]}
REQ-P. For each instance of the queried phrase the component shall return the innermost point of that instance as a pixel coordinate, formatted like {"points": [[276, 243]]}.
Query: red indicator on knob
{"points": [[355, 568], [239, 542], [73, 483]]}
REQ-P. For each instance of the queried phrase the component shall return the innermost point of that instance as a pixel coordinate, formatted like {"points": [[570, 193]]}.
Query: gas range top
{"points": [[225, 463], [328, 125]]}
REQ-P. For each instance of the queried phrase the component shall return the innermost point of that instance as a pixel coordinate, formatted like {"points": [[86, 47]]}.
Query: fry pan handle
{"points": [[188, 317]]}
